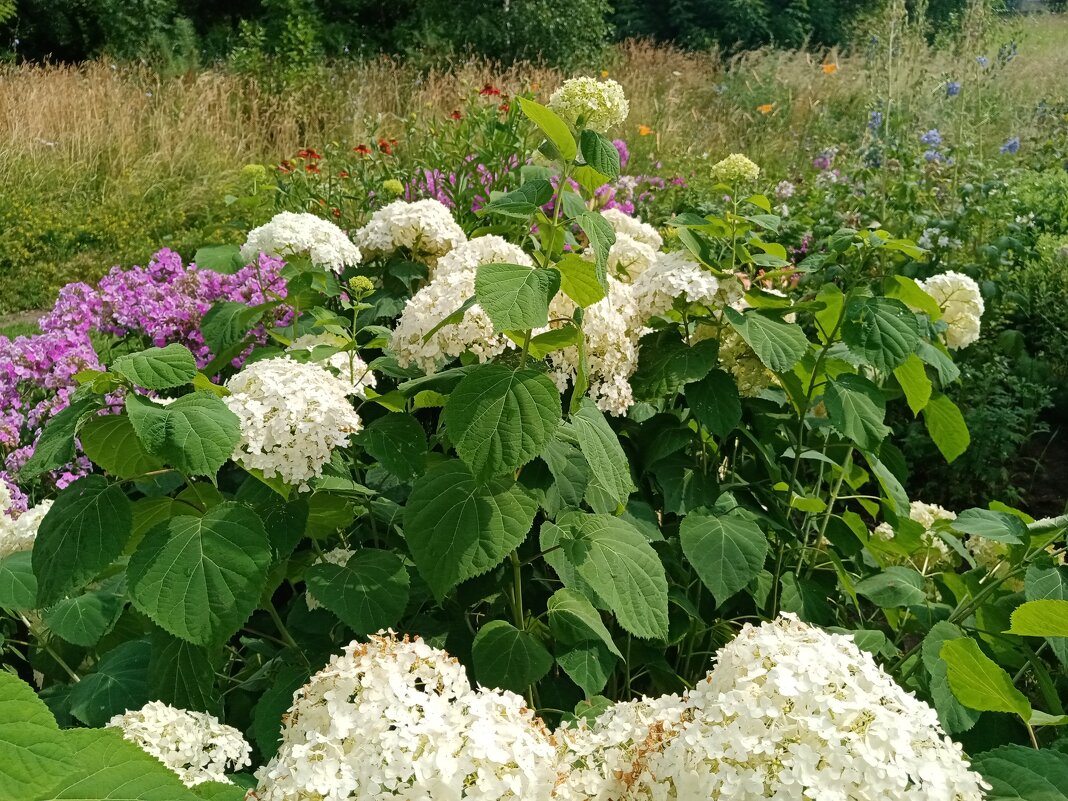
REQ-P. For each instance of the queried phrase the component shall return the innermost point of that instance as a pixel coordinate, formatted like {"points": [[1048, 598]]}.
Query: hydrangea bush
{"points": [[575, 450]]}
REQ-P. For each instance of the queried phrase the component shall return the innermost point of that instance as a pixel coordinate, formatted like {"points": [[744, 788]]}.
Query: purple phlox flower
{"points": [[825, 160], [624, 154]]}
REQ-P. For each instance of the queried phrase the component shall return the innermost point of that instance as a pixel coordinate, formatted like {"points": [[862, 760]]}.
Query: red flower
{"points": [[363, 150], [456, 115], [308, 153], [386, 146], [312, 168], [336, 212], [489, 89], [504, 107], [285, 166], [343, 174]]}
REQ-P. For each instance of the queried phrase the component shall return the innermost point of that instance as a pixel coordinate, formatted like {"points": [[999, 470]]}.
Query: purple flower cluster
{"points": [[449, 189], [162, 303]]}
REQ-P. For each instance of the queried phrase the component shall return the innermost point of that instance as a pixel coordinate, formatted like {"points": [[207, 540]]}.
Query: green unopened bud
{"points": [[255, 173], [393, 187], [361, 286]]}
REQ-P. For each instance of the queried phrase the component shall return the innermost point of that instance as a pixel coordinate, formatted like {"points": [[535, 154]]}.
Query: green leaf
{"points": [[777, 344], [458, 528], [32, 749], [727, 551], [578, 279], [55, 446], [882, 331], [227, 323], [1041, 583], [856, 408], [552, 340], [946, 425], [1017, 773], [508, 659], [912, 376], [119, 682], [368, 593], [714, 403], [1046, 618], [589, 663], [554, 128], [219, 258], [610, 468], [516, 298], [84, 619], [908, 291], [18, 585], [599, 152], [524, 201], [602, 236], [954, 717], [113, 445], [200, 577], [157, 368], [182, 674], [978, 682], [997, 526], [895, 586], [666, 365], [573, 619], [196, 434], [615, 560], [500, 418], [84, 532], [272, 705], [397, 442]]}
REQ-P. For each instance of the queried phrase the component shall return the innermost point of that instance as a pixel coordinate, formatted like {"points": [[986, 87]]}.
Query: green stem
{"points": [[287, 638], [49, 649], [517, 590]]}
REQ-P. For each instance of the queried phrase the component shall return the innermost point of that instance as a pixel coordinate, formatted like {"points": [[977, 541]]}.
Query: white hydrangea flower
{"points": [[599, 105], [734, 168], [736, 357], [606, 760], [19, 533], [633, 227], [396, 718], [292, 417], [933, 552], [424, 227], [289, 234], [670, 276], [194, 745], [611, 328], [337, 556], [347, 365], [791, 711], [452, 284], [628, 258], [962, 306]]}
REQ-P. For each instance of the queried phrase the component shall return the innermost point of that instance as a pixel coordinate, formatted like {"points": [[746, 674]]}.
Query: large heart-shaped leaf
{"points": [[777, 344], [727, 551], [507, 658], [368, 593], [196, 434], [883, 331], [157, 368], [515, 297]]}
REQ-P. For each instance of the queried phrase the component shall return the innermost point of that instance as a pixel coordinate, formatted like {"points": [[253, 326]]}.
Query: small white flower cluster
{"points": [[674, 275], [633, 227], [345, 364], [194, 745], [336, 556], [394, 718], [292, 417], [453, 283], [289, 234], [791, 711], [425, 228], [18, 531], [934, 237], [962, 306], [735, 168], [597, 105], [933, 553]]}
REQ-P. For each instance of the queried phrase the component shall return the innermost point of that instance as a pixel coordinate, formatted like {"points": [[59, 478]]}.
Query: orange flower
{"points": [[830, 69], [766, 108], [535, 86], [489, 89], [644, 130], [362, 150], [604, 73]]}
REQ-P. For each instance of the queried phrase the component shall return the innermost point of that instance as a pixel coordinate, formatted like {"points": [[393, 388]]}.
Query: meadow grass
{"points": [[102, 163]]}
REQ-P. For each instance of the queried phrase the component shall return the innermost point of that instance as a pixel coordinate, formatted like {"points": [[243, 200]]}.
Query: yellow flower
{"points": [[604, 73], [830, 69], [766, 108], [393, 186], [644, 130]]}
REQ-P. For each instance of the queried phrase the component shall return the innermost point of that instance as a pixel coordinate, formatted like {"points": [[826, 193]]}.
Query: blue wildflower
{"points": [[932, 155], [1011, 146], [875, 120], [952, 89], [982, 61], [932, 137]]}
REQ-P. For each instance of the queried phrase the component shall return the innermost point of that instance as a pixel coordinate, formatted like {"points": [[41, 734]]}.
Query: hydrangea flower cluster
{"points": [[394, 718], [597, 105], [674, 275], [633, 227], [791, 711], [453, 282], [345, 364], [18, 525], [194, 745], [961, 302], [424, 227], [288, 235], [734, 169], [933, 553], [292, 417]]}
